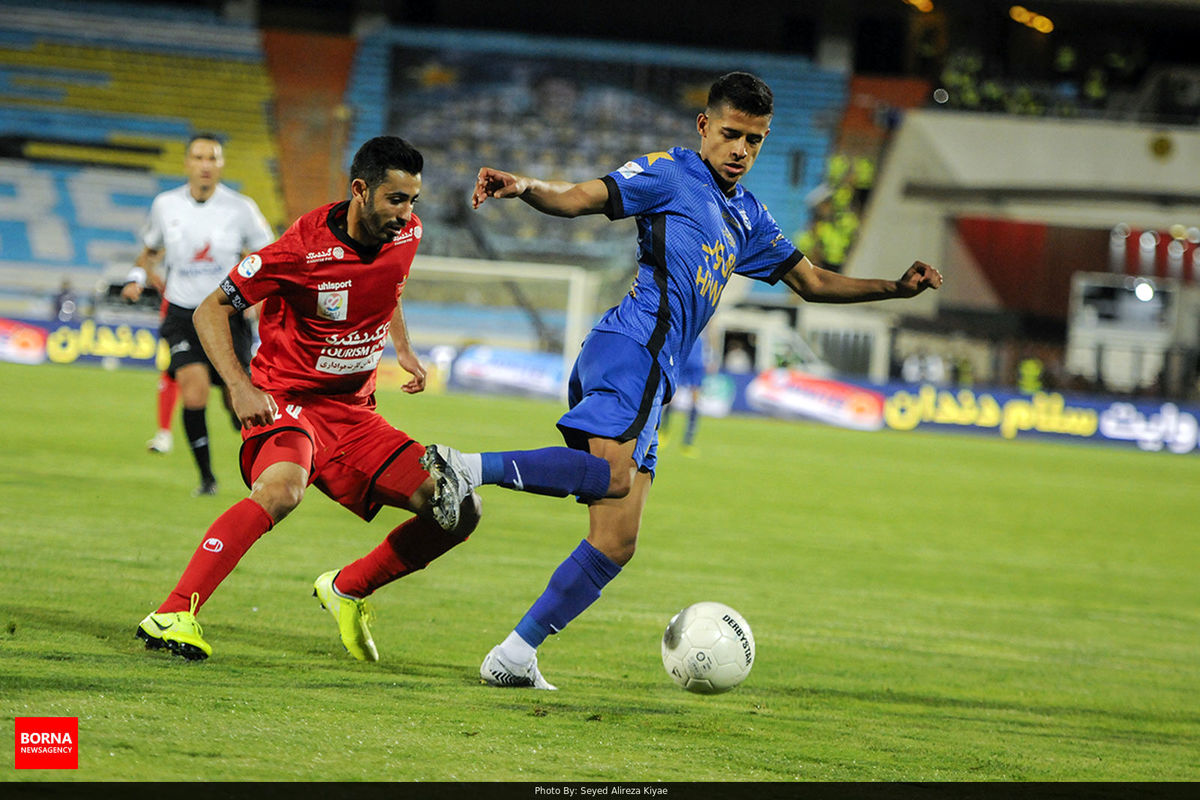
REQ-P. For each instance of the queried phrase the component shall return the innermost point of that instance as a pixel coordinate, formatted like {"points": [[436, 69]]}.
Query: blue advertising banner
{"points": [[782, 392], [39, 341], [1150, 426]]}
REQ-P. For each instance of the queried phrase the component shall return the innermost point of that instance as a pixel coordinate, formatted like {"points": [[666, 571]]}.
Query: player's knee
{"points": [[619, 550], [620, 481], [279, 497]]}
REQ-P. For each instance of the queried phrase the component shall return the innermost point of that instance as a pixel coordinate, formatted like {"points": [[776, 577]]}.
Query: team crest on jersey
{"points": [[250, 265], [333, 305]]}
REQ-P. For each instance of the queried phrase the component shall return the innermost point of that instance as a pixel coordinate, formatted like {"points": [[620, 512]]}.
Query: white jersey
{"points": [[202, 241]]}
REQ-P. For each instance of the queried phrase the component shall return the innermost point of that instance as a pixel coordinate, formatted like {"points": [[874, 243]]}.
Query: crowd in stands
{"points": [[837, 204], [1071, 87], [551, 120]]}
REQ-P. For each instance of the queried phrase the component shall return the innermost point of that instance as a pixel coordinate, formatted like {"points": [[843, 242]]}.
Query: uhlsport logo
{"points": [[213, 545], [46, 743]]}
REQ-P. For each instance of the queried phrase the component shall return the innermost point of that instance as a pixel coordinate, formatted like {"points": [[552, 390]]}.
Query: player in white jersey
{"points": [[197, 232]]}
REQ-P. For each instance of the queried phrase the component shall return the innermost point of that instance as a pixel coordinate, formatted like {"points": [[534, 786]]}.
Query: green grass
{"points": [[927, 608]]}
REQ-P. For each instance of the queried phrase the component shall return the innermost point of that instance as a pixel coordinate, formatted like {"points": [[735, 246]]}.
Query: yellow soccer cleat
{"points": [[177, 631], [352, 616]]}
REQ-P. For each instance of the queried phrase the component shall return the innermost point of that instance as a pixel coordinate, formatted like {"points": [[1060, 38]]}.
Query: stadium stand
{"points": [[572, 110], [94, 114]]}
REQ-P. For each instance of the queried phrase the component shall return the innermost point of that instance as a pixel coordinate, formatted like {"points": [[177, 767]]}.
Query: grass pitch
{"points": [[926, 608]]}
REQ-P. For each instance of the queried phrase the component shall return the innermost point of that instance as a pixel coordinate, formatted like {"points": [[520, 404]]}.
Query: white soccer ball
{"points": [[708, 648]]}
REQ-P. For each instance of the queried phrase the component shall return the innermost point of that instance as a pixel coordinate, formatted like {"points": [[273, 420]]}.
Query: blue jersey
{"points": [[691, 238]]}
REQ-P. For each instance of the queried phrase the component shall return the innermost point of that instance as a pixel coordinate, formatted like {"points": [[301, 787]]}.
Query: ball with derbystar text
{"points": [[708, 648]]}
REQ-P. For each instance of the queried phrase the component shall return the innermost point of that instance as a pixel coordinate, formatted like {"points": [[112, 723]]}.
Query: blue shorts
{"points": [[616, 392]]}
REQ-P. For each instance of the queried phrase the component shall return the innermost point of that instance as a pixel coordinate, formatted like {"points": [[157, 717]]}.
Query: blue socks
{"points": [[689, 434], [554, 471], [574, 586]]}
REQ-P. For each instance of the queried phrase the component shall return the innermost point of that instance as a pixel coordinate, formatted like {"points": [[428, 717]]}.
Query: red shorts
{"points": [[352, 447]]}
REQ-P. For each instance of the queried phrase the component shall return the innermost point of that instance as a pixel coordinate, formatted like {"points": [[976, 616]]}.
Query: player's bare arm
{"points": [[251, 405], [818, 285], [143, 274], [557, 198], [405, 353]]}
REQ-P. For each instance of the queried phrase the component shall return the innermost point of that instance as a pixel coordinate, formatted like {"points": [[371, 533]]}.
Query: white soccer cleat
{"points": [[496, 672], [452, 483], [161, 442]]}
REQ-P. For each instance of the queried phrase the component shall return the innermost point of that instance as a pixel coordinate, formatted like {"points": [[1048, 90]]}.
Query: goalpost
{"points": [[519, 306]]}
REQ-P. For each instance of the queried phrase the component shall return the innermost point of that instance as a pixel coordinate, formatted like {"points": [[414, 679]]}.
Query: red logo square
{"points": [[46, 743]]}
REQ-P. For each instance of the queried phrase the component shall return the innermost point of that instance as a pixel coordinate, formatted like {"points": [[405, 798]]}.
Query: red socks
{"points": [[224, 544], [408, 548], [168, 393]]}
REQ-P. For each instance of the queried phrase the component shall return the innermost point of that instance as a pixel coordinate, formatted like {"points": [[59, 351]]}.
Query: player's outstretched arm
{"points": [[819, 285], [211, 318], [558, 198], [405, 353]]}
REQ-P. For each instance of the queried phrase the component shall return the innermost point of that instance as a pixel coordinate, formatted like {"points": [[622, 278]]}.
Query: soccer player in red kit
{"points": [[330, 289]]}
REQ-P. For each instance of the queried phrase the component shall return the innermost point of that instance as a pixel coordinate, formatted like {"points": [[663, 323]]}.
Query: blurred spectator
{"points": [[1095, 88], [924, 368], [66, 304], [738, 358], [837, 207]]}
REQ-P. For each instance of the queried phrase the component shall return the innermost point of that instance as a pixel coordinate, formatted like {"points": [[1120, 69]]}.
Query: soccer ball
{"points": [[708, 648]]}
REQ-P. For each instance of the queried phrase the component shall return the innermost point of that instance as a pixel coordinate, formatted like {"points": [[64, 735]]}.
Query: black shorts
{"points": [[180, 334]]}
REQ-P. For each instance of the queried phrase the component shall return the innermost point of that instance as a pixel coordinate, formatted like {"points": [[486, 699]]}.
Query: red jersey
{"points": [[328, 304]]}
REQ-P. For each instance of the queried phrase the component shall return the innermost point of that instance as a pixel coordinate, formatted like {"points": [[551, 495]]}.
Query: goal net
{"points": [[501, 325]]}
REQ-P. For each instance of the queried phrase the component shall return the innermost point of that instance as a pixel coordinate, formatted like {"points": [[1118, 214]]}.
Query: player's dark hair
{"points": [[205, 136], [742, 92], [377, 156]]}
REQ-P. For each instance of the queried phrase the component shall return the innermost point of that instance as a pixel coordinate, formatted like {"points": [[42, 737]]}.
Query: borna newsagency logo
{"points": [[46, 743]]}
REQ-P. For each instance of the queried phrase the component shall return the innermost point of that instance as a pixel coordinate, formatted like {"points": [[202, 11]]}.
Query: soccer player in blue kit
{"points": [[696, 226]]}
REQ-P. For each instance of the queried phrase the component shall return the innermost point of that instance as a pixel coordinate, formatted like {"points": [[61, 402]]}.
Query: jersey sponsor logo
{"points": [[408, 234], [330, 286], [204, 253], [250, 265], [333, 305], [344, 366], [335, 253], [213, 545], [357, 351], [713, 274], [630, 169], [293, 410]]}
